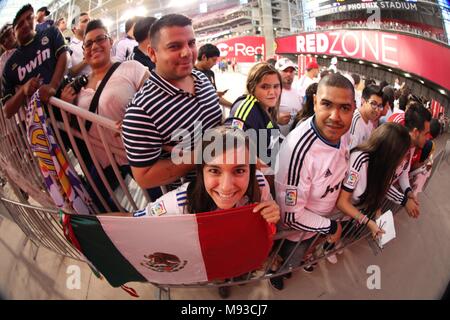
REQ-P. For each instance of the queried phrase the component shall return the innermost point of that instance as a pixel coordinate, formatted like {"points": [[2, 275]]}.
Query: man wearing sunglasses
{"points": [[39, 62], [371, 110]]}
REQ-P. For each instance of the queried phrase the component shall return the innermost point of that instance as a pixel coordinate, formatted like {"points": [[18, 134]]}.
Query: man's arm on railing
{"points": [[160, 173]]}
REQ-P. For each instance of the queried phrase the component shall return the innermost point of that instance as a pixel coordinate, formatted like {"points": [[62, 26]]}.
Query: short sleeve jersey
{"points": [[356, 179], [360, 131], [175, 201], [36, 58]]}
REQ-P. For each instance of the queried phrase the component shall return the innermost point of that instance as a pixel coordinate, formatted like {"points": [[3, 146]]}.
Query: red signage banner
{"points": [[410, 54], [243, 49]]}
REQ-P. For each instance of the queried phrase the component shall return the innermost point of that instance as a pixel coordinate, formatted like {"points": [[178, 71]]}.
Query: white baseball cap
{"points": [[284, 63]]}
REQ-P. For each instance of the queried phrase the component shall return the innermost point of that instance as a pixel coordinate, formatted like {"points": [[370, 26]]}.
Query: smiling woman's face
{"points": [[226, 181]]}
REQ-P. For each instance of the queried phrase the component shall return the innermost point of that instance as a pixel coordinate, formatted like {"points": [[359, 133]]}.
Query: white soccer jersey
{"points": [[360, 131], [175, 201], [308, 179], [356, 179]]}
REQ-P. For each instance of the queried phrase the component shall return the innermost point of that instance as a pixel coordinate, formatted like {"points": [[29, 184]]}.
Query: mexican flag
{"points": [[168, 249]]}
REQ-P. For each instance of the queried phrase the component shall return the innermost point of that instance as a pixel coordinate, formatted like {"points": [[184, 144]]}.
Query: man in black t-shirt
{"points": [[39, 62], [206, 59]]}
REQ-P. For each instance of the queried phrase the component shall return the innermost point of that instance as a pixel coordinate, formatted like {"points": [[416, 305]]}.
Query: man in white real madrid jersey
{"points": [[312, 163]]}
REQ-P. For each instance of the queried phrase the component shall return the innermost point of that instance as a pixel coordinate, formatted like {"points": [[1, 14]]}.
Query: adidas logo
{"points": [[328, 173]]}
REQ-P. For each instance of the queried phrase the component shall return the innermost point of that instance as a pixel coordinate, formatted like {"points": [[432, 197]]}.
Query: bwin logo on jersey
{"points": [[41, 56], [331, 190]]}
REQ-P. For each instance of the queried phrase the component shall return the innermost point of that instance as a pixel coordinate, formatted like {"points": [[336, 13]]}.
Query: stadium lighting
{"points": [[442, 91], [345, 59], [407, 75], [390, 70], [107, 22], [375, 65], [130, 13], [361, 62], [421, 81], [324, 56]]}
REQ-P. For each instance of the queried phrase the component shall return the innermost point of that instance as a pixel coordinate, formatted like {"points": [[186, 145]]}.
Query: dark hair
{"points": [[77, 18], [369, 82], [307, 106], [337, 80], [383, 84], [356, 78], [324, 73], [169, 20], [388, 96], [386, 147], [130, 23], [22, 10], [435, 128], [402, 101], [208, 50], [416, 115], [371, 90], [95, 24], [198, 199], [142, 28], [426, 150]]}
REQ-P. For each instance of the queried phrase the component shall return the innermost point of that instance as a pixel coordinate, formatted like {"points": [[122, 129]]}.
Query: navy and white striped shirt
{"points": [[159, 109]]}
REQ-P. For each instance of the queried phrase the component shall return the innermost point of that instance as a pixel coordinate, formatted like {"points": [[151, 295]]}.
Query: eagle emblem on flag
{"points": [[163, 262]]}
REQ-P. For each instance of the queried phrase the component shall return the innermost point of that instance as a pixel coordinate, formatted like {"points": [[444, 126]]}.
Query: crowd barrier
{"points": [[41, 224]]}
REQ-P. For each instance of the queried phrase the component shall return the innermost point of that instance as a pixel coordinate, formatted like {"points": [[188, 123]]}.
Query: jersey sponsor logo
{"points": [[328, 173], [352, 178], [158, 209], [237, 124], [331, 189], [41, 56], [291, 197]]}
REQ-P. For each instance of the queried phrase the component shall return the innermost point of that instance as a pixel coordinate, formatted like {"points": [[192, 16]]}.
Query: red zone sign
{"points": [[410, 54], [243, 49]]}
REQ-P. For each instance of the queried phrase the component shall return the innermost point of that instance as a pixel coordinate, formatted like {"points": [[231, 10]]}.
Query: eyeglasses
{"points": [[99, 41], [375, 105]]}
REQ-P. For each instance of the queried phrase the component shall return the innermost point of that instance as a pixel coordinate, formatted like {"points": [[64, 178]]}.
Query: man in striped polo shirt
{"points": [[174, 98]]}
